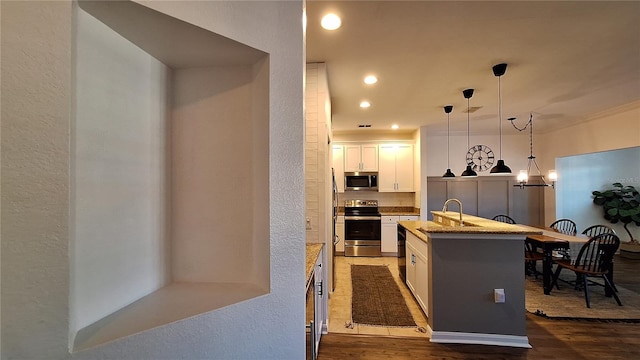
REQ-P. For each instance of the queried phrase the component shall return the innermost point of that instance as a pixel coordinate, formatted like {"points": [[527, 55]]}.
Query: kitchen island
{"points": [[469, 279]]}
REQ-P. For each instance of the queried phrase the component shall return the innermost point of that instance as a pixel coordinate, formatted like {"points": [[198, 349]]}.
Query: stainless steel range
{"points": [[362, 228]]}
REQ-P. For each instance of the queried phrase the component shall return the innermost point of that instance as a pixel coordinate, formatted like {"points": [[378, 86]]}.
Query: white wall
{"points": [[515, 150], [37, 72], [582, 174], [118, 173], [617, 128]]}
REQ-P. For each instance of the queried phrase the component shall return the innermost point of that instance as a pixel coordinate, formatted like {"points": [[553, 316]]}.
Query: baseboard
{"points": [[482, 339]]}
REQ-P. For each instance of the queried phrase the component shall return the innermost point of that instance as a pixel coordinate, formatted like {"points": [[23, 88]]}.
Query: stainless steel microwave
{"points": [[361, 181]]}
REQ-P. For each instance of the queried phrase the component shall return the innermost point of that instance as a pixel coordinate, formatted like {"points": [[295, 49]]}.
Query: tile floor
{"points": [[340, 300]]}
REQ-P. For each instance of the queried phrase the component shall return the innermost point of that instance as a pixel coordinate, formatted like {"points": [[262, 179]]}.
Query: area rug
{"points": [[376, 299], [567, 303]]}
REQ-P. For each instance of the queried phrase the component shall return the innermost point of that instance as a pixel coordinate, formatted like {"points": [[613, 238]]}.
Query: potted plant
{"points": [[622, 204]]}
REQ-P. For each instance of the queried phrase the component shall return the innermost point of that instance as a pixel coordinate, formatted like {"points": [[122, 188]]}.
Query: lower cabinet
{"points": [[417, 271], [317, 310], [390, 235]]}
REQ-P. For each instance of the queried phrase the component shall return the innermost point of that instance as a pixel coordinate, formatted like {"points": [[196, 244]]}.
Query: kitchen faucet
{"points": [[446, 203]]}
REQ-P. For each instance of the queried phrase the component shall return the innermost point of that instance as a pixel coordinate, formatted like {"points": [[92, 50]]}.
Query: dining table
{"points": [[550, 241]]}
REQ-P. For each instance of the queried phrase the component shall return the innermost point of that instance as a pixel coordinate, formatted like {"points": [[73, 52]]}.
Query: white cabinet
{"points": [[317, 305], [417, 270], [411, 268], [409, 218], [390, 235], [361, 157], [338, 166], [340, 233], [395, 168]]}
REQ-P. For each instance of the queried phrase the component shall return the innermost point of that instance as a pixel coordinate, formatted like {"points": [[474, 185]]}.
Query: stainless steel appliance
{"points": [[402, 253], [362, 228], [361, 181]]}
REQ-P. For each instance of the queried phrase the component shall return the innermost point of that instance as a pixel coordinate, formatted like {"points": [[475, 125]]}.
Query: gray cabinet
{"points": [[487, 196]]}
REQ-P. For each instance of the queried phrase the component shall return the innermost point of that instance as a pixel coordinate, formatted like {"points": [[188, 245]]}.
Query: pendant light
{"points": [[449, 173], [468, 172], [501, 167]]}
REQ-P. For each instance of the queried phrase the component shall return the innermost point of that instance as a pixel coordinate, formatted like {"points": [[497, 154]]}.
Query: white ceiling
{"points": [[567, 61]]}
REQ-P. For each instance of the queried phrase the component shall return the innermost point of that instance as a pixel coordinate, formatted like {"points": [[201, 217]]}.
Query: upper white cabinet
{"points": [[395, 168], [338, 166], [361, 157]]}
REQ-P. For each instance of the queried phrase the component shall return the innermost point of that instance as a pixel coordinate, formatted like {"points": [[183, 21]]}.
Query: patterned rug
{"points": [[569, 303], [376, 298]]}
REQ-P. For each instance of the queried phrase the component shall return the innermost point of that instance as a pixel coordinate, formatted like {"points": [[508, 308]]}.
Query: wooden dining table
{"points": [[549, 241]]}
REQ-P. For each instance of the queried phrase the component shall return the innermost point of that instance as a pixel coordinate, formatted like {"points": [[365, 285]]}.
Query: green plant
{"points": [[622, 203]]}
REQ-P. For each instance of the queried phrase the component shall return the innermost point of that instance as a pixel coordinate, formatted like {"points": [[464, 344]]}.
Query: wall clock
{"points": [[480, 157]]}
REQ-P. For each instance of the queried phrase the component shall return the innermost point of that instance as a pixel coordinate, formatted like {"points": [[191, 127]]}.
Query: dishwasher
{"points": [[402, 253]]}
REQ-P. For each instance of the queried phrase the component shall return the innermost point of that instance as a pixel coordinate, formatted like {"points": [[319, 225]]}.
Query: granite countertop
{"points": [[398, 210], [473, 225], [313, 251]]}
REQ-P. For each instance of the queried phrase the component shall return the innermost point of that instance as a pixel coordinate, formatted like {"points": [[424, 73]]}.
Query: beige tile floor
{"points": [[340, 300]]}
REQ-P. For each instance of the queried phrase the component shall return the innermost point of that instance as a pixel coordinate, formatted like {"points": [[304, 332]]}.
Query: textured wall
{"points": [[36, 114], [36, 98]]}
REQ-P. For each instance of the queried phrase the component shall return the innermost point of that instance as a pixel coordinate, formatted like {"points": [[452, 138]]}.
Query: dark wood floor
{"points": [[550, 339]]}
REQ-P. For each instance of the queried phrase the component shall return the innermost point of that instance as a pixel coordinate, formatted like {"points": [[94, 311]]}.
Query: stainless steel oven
{"points": [[362, 228]]}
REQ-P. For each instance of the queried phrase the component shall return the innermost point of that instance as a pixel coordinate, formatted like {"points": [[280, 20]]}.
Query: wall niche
{"points": [[170, 169]]}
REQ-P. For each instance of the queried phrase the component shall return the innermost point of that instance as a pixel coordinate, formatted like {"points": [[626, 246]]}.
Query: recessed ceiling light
{"points": [[365, 104], [370, 79], [395, 126], [331, 22]]}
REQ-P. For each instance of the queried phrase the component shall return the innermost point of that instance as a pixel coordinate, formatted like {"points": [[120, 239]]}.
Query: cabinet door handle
{"points": [[320, 288]]}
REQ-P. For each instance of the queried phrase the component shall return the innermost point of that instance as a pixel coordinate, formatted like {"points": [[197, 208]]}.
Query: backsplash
{"points": [[385, 199]]}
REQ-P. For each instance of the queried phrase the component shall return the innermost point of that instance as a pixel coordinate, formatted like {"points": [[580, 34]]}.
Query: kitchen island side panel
{"points": [[463, 273]]}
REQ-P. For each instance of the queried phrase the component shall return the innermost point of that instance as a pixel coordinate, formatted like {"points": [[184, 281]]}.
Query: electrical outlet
{"points": [[308, 223], [498, 296]]}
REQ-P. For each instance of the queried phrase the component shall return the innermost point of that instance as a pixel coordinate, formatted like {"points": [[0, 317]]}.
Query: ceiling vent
{"points": [[364, 125], [472, 109]]}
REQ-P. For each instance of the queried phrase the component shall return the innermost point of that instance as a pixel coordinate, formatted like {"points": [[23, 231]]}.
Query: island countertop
{"points": [[473, 225]]}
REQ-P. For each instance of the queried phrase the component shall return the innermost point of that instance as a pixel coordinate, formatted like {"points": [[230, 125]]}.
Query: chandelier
{"points": [[523, 176]]}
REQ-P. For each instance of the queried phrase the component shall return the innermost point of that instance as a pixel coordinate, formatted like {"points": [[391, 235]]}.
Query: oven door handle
{"points": [[363, 218]]}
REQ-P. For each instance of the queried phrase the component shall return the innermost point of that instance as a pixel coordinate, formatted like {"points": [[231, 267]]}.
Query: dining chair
{"points": [[595, 259], [564, 226], [531, 256], [594, 230], [504, 218]]}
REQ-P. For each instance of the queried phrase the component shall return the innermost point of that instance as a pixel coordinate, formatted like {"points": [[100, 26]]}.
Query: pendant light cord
{"points": [[468, 122], [500, 111], [532, 158], [448, 130]]}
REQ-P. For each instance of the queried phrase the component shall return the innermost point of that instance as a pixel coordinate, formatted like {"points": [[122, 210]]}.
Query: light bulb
{"points": [[331, 22], [523, 177]]}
